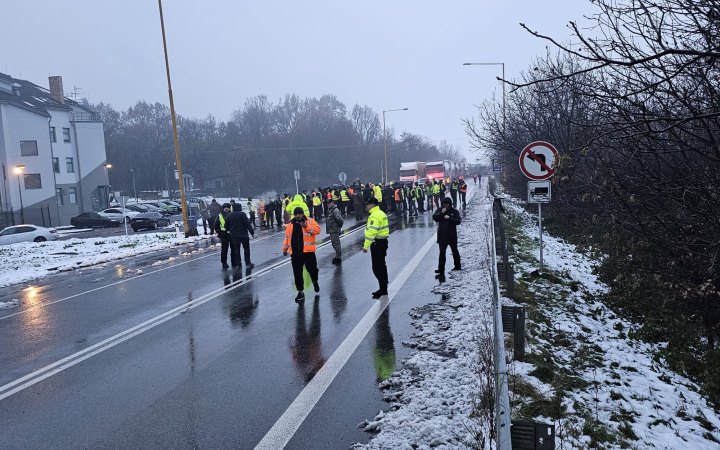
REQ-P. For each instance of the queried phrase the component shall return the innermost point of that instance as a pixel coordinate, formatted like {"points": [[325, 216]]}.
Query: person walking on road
{"points": [[357, 199], [215, 210], [333, 227], [221, 230], [463, 192], [238, 225], [448, 218], [251, 211], [300, 244], [376, 239]]}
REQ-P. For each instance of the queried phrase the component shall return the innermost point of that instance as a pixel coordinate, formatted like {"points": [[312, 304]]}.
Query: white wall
{"points": [[62, 150], [21, 125]]}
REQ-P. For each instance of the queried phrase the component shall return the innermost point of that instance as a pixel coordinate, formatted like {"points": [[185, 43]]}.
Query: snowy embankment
{"points": [[27, 261], [585, 372], [434, 396]]}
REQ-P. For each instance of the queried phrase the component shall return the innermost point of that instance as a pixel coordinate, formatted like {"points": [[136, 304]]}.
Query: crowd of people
{"points": [[301, 214]]}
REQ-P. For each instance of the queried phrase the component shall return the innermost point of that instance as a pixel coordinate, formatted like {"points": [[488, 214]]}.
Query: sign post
{"points": [[537, 162], [297, 177]]}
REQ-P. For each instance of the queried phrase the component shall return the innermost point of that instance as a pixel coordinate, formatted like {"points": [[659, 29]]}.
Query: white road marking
{"points": [[286, 426], [80, 294], [43, 373]]}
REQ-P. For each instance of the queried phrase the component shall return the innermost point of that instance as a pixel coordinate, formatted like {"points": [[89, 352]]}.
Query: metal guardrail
{"points": [[502, 398]]}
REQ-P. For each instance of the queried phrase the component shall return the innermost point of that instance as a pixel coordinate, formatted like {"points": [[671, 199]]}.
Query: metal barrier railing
{"points": [[502, 398]]}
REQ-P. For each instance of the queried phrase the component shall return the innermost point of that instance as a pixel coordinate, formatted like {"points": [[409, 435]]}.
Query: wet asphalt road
{"points": [[190, 356]]}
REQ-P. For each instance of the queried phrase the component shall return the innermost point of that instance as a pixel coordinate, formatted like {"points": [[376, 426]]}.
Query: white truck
{"points": [[412, 171]]}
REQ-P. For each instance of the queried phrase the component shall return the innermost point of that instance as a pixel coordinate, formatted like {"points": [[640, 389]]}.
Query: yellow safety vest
{"points": [[317, 201], [376, 227], [221, 218], [377, 191], [343, 196]]}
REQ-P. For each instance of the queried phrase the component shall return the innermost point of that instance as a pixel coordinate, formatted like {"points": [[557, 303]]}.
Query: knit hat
{"points": [[226, 205], [447, 200], [372, 200], [298, 210]]}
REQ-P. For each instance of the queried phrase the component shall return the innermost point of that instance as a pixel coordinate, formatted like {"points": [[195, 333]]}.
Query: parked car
{"points": [[27, 233], [137, 207], [166, 209], [118, 214], [93, 219], [149, 220]]}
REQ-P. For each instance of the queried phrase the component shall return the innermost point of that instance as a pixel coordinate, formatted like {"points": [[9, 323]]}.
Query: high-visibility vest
{"points": [[261, 207], [221, 219], [308, 235], [317, 201], [377, 227], [436, 189], [397, 194], [335, 197], [297, 202], [463, 188], [377, 193], [343, 196]]}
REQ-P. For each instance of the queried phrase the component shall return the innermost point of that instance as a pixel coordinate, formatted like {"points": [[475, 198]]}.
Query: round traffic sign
{"points": [[538, 160], [342, 177]]}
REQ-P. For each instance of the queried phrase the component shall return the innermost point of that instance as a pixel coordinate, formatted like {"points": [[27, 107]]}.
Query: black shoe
{"points": [[456, 268], [379, 293], [440, 277], [438, 271], [250, 266], [300, 297], [225, 266], [316, 286]]}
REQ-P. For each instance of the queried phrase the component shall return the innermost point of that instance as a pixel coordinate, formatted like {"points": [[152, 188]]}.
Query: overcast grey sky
{"points": [[386, 54]]}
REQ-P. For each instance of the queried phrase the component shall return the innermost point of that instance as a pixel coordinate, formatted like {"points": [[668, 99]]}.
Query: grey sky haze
{"points": [[385, 54]]}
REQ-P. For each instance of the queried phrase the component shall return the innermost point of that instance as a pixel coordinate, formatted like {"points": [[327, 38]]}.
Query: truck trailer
{"points": [[412, 171]]}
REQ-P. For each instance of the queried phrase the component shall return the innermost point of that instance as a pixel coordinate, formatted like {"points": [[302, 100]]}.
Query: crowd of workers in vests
{"points": [[301, 213]]}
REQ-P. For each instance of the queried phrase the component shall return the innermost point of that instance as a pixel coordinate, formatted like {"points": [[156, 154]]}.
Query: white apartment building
{"points": [[52, 151]]}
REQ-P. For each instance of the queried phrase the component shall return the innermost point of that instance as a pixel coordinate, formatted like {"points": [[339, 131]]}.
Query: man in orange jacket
{"points": [[300, 244]]}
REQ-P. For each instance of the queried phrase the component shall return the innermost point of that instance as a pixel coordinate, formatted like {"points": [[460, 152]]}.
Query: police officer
{"points": [[376, 239], [222, 233]]}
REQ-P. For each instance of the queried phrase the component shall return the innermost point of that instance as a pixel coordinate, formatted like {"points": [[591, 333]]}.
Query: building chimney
{"points": [[56, 88]]}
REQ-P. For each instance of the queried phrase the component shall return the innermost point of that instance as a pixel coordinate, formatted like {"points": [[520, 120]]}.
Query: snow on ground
{"points": [[26, 261], [433, 395], [626, 394]]}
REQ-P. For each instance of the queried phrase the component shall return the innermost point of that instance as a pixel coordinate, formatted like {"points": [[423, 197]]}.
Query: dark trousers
{"points": [[436, 200], [224, 246], [278, 217], [359, 213], [235, 251], [462, 197], [455, 253], [318, 212], [252, 218], [413, 208], [307, 260], [378, 252], [270, 219], [212, 224], [453, 194]]}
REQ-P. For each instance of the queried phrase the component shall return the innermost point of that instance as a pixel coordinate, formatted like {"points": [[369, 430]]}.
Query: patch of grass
{"points": [[702, 420], [99, 242], [130, 245], [627, 431], [530, 403], [599, 433], [707, 435], [616, 396]]}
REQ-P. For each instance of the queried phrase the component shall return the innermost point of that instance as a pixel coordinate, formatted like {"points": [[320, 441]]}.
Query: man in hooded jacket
{"points": [[300, 244], [448, 218], [238, 225]]}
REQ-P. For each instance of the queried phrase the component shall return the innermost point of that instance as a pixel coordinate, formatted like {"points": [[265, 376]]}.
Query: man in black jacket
{"points": [[238, 225], [214, 209], [448, 218]]}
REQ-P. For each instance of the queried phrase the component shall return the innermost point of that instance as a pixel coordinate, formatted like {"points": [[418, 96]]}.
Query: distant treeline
{"points": [[636, 117], [259, 147]]}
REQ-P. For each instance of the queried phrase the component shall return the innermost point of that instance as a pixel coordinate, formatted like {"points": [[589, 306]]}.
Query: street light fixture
{"points": [[503, 82], [107, 181], [19, 170], [385, 138]]}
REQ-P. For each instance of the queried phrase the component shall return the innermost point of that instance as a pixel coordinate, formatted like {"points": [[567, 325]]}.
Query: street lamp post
{"points": [[134, 187], [107, 181], [385, 138], [503, 84], [19, 170]]}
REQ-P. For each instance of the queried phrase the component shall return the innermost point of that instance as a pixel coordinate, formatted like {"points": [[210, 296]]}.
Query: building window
{"points": [[69, 165], [58, 194], [53, 138], [56, 165], [33, 181], [66, 134], [28, 148], [72, 195]]}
